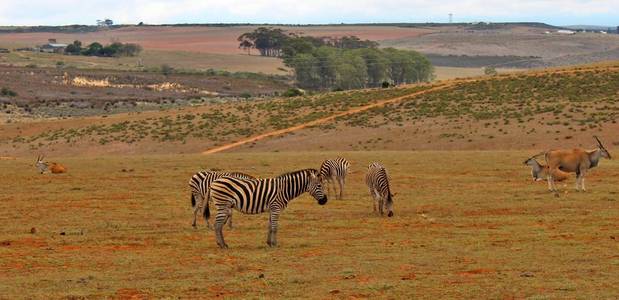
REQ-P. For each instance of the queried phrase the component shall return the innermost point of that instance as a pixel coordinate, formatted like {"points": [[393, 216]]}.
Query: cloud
{"points": [[39, 12]]}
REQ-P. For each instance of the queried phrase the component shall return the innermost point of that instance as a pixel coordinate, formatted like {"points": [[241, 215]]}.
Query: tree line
{"points": [[115, 49], [338, 63]]}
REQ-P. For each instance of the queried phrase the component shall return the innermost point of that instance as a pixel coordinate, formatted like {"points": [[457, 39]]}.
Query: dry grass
{"points": [[475, 227], [152, 60], [446, 73]]}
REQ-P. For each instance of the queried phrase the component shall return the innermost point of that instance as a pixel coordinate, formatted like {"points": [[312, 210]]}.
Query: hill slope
{"points": [[562, 107]]}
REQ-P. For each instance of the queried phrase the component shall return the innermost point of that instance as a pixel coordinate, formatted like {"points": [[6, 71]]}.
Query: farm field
{"points": [[466, 224]]}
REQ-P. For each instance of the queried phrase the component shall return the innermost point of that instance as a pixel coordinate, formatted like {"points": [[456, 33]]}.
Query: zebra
{"points": [[377, 181], [335, 169], [199, 184], [255, 196]]}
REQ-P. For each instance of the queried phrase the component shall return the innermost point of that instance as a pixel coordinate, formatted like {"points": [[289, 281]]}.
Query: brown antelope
{"points": [[55, 168], [577, 161], [539, 171]]}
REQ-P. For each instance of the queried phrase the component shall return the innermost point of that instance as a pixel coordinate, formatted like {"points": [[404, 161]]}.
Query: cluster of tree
{"points": [[114, 49], [339, 63], [276, 42], [332, 68]]}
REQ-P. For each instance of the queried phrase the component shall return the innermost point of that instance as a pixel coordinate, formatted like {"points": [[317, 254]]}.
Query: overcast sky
{"points": [[62, 12]]}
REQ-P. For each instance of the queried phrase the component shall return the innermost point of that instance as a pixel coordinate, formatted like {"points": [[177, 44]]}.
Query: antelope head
{"points": [[603, 150], [42, 166]]}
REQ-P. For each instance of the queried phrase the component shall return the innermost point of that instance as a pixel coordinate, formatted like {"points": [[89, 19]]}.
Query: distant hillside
{"points": [[522, 111]]}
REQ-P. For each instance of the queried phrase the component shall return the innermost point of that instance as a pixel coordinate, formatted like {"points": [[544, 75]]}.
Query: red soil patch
{"points": [[493, 212], [130, 294], [476, 272], [311, 253], [219, 291]]}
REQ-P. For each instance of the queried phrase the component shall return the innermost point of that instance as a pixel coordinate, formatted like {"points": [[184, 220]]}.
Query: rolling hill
{"points": [[531, 110]]}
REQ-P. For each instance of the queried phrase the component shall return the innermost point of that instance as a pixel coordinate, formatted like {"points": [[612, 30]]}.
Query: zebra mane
{"points": [[310, 170]]}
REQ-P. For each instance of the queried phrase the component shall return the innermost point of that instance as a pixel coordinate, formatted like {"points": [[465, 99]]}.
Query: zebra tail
{"points": [[207, 211], [193, 200]]}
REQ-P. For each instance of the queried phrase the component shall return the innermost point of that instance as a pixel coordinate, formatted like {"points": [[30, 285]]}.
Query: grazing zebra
{"points": [[199, 184], [377, 181], [335, 169], [255, 196]]}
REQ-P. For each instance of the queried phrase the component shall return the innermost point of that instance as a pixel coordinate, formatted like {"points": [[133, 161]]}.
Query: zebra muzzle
{"points": [[322, 201]]}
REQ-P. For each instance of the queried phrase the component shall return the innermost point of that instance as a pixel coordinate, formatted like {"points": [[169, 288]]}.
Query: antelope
{"points": [[55, 168], [577, 161], [539, 171]]}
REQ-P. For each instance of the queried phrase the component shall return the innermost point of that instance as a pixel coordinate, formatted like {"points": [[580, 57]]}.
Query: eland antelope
{"points": [[577, 161], [539, 171]]}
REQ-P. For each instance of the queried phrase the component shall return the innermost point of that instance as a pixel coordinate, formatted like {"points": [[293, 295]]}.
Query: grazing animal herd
{"points": [[251, 195]]}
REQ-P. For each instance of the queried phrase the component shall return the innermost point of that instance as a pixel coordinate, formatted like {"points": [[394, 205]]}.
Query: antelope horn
{"points": [[599, 142]]}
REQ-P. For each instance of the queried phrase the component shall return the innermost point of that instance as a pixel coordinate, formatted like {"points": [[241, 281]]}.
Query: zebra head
{"points": [[389, 205], [42, 166], [314, 188]]}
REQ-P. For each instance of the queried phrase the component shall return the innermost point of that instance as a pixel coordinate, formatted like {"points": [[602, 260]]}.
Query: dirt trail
{"points": [[340, 114], [439, 86]]}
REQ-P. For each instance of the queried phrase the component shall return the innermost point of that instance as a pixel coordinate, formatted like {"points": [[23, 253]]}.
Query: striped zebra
{"points": [[199, 184], [377, 181], [255, 196], [335, 169]]}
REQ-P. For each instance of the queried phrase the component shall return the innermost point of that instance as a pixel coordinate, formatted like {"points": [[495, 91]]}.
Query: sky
{"points": [[64, 12]]}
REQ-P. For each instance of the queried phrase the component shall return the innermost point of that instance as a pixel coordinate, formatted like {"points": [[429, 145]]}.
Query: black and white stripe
{"points": [[335, 170], [377, 181], [255, 196], [199, 184]]}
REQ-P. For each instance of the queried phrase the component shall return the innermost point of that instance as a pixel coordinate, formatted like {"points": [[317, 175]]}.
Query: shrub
{"points": [[293, 92], [7, 92]]}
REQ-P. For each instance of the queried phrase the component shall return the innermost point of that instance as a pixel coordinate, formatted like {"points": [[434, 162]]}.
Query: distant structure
{"points": [[105, 23], [53, 46], [562, 31], [451, 18]]}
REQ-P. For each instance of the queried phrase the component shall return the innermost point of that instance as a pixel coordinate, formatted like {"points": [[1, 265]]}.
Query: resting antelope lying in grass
{"points": [[577, 161], [539, 171], [55, 168]]}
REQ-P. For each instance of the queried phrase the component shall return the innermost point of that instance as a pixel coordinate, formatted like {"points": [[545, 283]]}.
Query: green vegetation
{"points": [[7, 92], [586, 99], [115, 49], [222, 122], [338, 63]]}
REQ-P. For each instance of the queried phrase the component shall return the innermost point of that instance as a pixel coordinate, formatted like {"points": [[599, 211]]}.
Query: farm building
{"points": [[53, 47], [566, 32]]}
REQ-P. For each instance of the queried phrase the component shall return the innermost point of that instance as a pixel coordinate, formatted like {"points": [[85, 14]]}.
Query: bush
{"points": [[7, 92], [245, 95], [166, 69], [385, 84], [293, 92], [490, 71]]}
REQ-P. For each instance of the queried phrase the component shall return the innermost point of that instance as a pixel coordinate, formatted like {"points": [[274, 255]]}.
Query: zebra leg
{"points": [[220, 220], [272, 237], [230, 220], [197, 208], [340, 182]]}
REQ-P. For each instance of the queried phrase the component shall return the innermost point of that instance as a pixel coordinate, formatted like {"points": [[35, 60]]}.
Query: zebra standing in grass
{"points": [[335, 169], [377, 181], [199, 184], [255, 196]]}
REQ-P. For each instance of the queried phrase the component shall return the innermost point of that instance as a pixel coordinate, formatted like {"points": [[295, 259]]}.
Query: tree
{"points": [[74, 49], [246, 45], [94, 49]]}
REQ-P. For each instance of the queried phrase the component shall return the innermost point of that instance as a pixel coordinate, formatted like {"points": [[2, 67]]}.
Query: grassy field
{"points": [[152, 60], [466, 225]]}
